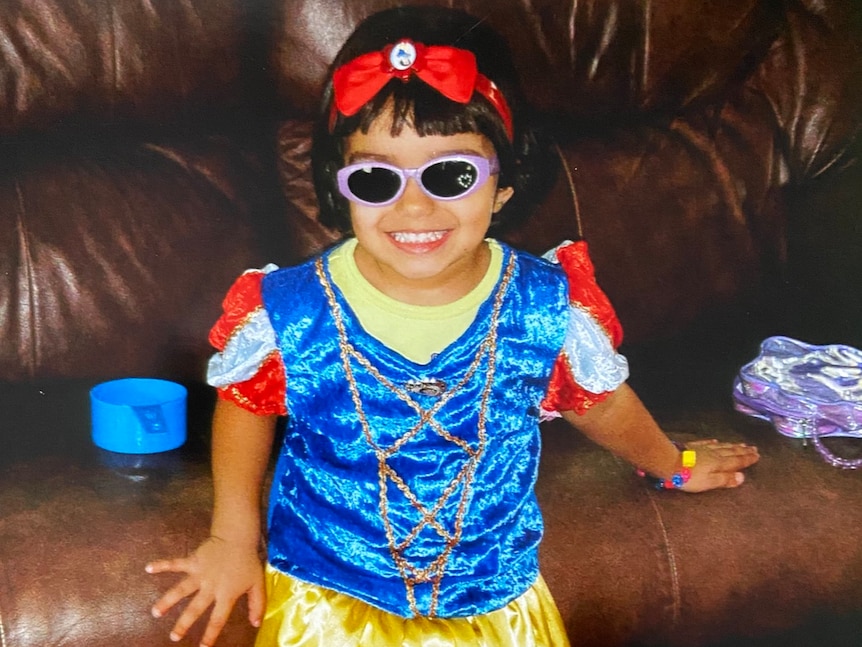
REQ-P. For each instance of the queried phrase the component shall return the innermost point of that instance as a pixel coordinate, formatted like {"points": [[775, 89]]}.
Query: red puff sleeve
{"points": [[564, 393], [264, 392]]}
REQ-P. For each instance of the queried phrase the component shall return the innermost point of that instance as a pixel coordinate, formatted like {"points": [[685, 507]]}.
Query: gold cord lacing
{"points": [[413, 574]]}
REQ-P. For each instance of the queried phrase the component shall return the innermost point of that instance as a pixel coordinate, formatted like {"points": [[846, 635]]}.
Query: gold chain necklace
{"points": [[412, 574]]}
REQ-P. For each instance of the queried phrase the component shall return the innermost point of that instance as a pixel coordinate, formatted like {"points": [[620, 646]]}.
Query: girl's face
{"points": [[419, 249]]}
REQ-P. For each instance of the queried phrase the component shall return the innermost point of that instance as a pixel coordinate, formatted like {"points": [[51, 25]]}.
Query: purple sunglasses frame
{"points": [[485, 168]]}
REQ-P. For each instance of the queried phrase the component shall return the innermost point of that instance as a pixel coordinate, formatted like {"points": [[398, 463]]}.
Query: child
{"points": [[414, 362]]}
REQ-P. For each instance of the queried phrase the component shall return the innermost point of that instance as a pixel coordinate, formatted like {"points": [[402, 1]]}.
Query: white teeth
{"points": [[409, 237]]}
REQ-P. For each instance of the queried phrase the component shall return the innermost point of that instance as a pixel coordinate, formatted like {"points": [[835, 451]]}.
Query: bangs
{"points": [[416, 105]]}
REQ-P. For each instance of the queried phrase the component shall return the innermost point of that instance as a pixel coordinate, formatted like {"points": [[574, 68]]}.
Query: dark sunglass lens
{"points": [[374, 184], [450, 179]]}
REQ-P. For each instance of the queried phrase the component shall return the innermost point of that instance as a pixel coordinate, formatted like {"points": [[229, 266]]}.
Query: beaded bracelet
{"points": [[680, 478]]}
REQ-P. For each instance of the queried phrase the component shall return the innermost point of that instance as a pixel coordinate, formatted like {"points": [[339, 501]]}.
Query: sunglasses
{"points": [[451, 177]]}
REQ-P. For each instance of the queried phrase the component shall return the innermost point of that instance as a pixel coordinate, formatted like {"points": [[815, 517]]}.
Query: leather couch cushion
{"points": [[116, 257], [100, 62]]}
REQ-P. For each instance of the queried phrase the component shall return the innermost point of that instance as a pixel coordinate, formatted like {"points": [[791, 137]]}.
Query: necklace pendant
{"points": [[430, 387]]}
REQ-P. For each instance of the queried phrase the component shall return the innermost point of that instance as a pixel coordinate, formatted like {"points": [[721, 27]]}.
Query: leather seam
{"points": [[676, 595], [571, 180], [30, 301]]}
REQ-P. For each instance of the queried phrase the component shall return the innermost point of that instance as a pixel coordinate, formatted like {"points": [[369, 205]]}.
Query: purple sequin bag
{"points": [[805, 391]]}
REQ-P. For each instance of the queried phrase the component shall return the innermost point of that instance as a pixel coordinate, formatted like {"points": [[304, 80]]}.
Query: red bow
{"points": [[449, 70]]}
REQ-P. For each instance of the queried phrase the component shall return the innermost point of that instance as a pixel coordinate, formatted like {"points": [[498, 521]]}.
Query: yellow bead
{"points": [[689, 458]]}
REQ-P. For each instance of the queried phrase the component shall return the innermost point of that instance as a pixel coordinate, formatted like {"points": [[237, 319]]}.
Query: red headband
{"points": [[449, 70]]}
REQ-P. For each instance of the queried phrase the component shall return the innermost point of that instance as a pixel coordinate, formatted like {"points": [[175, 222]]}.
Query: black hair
{"points": [[526, 163]]}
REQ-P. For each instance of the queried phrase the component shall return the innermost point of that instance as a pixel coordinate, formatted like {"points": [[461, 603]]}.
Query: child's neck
{"points": [[442, 288]]}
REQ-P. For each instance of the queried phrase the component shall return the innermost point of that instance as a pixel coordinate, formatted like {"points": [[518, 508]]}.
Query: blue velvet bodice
{"points": [[417, 503]]}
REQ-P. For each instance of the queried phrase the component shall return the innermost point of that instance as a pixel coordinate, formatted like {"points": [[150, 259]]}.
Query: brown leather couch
{"points": [[150, 150]]}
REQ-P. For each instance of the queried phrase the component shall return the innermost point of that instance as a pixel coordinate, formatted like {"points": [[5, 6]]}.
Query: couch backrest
{"points": [[592, 60], [107, 61]]}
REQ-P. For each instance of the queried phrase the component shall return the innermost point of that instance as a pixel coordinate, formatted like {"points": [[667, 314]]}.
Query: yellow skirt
{"points": [[299, 614]]}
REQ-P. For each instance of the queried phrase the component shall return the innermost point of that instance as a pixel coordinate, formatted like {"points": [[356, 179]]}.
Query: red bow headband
{"points": [[449, 70]]}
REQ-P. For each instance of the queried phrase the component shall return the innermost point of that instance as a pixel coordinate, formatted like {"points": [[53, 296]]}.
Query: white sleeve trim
{"points": [[596, 366], [551, 254], [244, 352]]}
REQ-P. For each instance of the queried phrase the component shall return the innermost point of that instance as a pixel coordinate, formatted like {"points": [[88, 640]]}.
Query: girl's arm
{"points": [[226, 566], [622, 425]]}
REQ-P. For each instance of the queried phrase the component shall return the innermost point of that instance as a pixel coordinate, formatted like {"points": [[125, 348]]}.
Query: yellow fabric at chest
{"points": [[416, 332]]}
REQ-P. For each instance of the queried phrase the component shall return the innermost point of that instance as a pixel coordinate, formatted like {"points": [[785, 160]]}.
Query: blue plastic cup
{"points": [[138, 415]]}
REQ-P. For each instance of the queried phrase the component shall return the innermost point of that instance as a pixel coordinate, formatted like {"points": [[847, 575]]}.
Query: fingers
{"points": [[720, 464], [218, 619], [196, 607], [178, 565], [741, 460], [186, 587], [717, 446], [727, 456], [194, 610], [176, 593], [714, 480], [729, 479], [210, 585], [694, 444], [256, 604], [734, 457]]}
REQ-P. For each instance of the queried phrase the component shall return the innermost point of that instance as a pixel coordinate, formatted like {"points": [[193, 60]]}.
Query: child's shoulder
{"points": [[291, 273], [535, 282], [569, 260], [304, 272], [531, 266]]}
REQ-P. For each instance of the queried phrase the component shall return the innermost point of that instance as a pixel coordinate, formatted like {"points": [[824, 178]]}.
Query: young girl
{"points": [[414, 363]]}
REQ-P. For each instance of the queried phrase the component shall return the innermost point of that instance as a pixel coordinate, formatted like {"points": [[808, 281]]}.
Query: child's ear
{"points": [[502, 197]]}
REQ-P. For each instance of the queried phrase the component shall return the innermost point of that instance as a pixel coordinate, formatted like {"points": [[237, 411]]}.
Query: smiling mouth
{"points": [[417, 237]]}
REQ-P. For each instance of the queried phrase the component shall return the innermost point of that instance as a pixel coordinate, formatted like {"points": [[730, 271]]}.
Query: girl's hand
{"points": [[719, 464], [216, 575]]}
